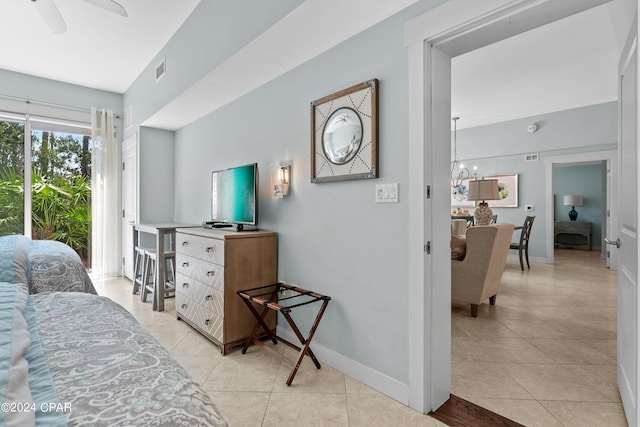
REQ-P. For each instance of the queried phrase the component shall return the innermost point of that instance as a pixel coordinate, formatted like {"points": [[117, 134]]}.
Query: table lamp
{"points": [[483, 190], [573, 201]]}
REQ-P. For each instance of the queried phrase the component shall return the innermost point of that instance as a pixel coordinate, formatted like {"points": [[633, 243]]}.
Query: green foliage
{"points": [[60, 187], [61, 210], [11, 202]]}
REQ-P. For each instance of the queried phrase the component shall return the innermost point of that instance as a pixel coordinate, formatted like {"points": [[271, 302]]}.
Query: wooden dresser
{"points": [[572, 234], [211, 266]]}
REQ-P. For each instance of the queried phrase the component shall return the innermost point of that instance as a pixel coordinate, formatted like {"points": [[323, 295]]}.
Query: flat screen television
{"points": [[234, 199]]}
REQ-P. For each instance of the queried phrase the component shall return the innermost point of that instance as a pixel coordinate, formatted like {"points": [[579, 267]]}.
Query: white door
{"points": [[628, 228], [129, 202]]}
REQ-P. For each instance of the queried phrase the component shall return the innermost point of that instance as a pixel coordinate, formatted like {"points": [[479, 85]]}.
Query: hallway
{"points": [[545, 354]]}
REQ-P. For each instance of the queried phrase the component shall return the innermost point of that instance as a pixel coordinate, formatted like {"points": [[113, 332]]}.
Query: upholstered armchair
{"points": [[477, 277]]}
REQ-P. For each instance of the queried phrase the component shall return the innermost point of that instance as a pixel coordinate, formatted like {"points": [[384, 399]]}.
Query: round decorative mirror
{"points": [[342, 136]]}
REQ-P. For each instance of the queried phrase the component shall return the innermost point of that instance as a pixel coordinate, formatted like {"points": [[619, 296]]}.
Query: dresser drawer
{"points": [[200, 293], [202, 317], [202, 271], [211, 250]]}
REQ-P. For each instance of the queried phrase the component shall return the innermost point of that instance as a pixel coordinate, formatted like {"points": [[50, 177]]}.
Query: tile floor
{"points": [[544, 355], [249, 389]]}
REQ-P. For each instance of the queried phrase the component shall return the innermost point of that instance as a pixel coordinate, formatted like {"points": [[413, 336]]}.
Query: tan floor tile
{"points": [[587, 414], [553, 382], [601, 377], [533, 328], [485, 380], [254, 371], [355, 386], [375, 410], [586, 329], [571, 351], [194, 344], [515, 350], [198, 367], [309, 379], [306, 409], [530, 413], [241, 409], [481, 327]]}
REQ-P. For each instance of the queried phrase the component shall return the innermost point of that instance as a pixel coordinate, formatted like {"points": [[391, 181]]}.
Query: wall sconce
{"points": [[280, 178]]}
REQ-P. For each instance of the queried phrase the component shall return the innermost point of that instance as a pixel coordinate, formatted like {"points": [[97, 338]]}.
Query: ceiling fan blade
{"points": [[50, 13], [109, 5]]}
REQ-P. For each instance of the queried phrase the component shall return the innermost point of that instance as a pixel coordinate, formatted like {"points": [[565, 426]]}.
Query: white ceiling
{"points": [[99, 49], [566, 64]]}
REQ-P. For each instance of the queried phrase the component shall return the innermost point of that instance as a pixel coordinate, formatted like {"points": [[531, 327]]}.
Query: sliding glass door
{"points": [[55, 157]]}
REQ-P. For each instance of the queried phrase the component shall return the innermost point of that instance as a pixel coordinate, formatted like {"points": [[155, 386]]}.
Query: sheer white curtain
{"points": [[104, 195]]}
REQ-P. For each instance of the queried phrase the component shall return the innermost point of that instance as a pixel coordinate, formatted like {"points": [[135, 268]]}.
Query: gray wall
{"points": [[333, 238], [156, 184], [211, 34], [500, 149], [54, 92], [586, 181]]}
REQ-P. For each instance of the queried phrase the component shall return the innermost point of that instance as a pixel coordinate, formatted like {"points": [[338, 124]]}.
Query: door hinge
{"points": [[608, 254], [428, 191], [123, 261], [123, 165], [427, 248], [123, 215]]}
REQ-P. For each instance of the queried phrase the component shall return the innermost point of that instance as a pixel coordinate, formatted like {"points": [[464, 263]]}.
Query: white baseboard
{"points": [[356, 370]]}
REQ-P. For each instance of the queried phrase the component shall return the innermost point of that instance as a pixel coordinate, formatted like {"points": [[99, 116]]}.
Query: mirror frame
{"points": [[363, 99]]}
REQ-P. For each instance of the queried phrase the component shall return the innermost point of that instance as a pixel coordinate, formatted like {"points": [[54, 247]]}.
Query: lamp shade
{"points": [[483, 189], [573, 200]]}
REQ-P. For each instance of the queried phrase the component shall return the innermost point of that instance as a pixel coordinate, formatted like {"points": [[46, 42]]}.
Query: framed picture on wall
{"points": [[459, 195], [344, 134], [508, 188]]}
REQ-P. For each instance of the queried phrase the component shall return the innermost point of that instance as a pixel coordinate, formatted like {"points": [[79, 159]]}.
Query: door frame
{"points": [[611, 157], [429, 113], [128, 142]]}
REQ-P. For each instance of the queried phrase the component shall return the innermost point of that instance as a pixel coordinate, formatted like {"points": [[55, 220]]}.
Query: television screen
{"points": [[233, 195]]}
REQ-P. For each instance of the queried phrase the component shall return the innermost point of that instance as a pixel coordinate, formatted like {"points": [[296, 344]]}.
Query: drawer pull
{"points": [[210, 249], [185, 243], [185, 264], [206, 322], [208, 297], [184, 306], [185, 285], [211, 273]]}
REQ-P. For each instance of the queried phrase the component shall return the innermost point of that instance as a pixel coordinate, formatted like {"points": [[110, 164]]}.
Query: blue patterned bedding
{"points": [[77, 359], [69, 357], [107, 370], [44, 265]]}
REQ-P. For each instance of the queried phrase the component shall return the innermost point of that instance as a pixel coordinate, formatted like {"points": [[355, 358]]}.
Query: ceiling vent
{"points": [[161, 69], [531, 157]]}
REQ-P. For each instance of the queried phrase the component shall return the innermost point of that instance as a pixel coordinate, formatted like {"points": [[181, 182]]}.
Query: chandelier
{"points": [[458, 172]]}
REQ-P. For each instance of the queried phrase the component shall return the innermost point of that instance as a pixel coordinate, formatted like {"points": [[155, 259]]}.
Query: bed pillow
{"points": [[14, 342]]}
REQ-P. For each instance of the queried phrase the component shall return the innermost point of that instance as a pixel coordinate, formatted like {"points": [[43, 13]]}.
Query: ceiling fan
{"points": [[53, 18]]}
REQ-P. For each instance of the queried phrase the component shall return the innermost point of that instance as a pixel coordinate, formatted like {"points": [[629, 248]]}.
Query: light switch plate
{"points": [[387, 193]]}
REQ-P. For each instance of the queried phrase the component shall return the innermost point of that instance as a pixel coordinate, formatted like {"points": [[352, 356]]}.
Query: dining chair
{"points": [[523, 245]]}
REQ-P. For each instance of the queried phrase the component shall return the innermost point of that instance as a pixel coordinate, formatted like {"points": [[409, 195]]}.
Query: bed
{"points": [[73, 358]]}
